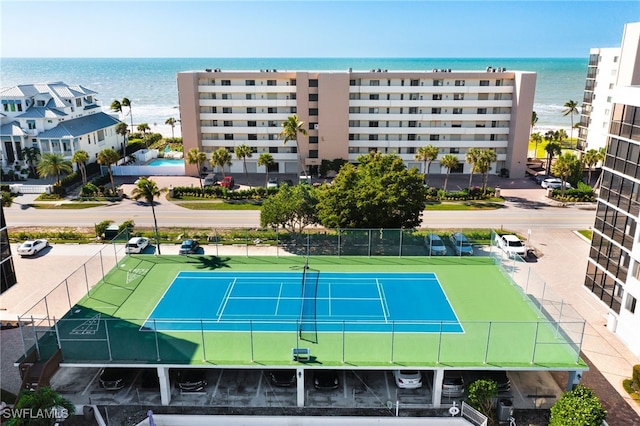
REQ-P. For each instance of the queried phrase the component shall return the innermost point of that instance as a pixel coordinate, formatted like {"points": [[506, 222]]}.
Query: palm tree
{"points": [[290, 130], [31, 154], [537, 138], [127, 103], [449, 161], [570, 108], [552, 148], [221, 157], [195, 156], [107, 157], [487, 157], [143, 127], [242, 153], [265, 159], [534, 119], [116, 106], [427, 154], [171, 122], [564, 167], [122, 129], [148, 190], [473, 157], [590, 159], [53, 165], [42, 400], [80, 157]]}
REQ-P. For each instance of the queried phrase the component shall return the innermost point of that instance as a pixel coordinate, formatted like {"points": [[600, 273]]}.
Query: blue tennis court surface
{"points": [[329, 301]]}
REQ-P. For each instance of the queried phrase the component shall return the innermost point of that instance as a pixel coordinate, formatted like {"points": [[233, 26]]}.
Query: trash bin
{"points": [[550, 192], [87, 412], [497, 194], [505, 409]]}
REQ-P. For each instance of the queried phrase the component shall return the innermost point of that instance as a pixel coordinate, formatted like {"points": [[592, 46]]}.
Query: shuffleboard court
{"points": [[290, 301]]}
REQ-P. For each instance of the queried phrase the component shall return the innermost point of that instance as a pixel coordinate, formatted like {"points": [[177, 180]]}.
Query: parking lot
{"points": [[252, 387]]}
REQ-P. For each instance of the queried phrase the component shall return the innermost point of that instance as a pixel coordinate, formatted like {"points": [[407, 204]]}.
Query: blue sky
{"points": [[428, 28]]}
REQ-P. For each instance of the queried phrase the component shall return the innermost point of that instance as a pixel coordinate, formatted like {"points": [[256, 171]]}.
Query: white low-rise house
{"points": [[55, 118]]}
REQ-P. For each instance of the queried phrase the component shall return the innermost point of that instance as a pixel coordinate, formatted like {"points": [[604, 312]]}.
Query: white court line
{"points": [[278, 302], [384, 312], [226, 299]]}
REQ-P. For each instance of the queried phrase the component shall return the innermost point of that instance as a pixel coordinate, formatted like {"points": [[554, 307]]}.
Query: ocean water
{"points": [[150, 83]]}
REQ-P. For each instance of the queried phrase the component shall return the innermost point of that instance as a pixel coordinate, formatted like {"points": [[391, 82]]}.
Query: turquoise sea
{"points": [[150, 83]]}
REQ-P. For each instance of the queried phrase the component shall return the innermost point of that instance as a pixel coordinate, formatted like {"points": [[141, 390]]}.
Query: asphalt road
{"points": [[525, 208]]}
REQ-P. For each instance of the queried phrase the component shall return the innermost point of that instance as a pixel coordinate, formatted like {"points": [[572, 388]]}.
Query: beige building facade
{"points": [[350, 113]]}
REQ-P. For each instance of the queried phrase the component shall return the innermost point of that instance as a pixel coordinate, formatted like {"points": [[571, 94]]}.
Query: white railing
{"points": [[473, 415], [19, 188]]}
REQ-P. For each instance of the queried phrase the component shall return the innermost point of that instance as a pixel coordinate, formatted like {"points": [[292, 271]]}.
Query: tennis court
{"points": [[308, 299]]}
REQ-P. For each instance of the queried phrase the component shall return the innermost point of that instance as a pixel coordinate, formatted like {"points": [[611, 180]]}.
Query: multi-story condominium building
{"points": [[350, 113], [55, 118], [607, 69], [613, 270]]}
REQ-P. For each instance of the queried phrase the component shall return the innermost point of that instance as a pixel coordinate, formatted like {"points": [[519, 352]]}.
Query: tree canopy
{"points": [[292, 207], [380, 192]]}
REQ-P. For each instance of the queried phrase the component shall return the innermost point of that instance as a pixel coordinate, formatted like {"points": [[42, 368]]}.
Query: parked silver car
{"points": [[461, 244], [435, 246]]}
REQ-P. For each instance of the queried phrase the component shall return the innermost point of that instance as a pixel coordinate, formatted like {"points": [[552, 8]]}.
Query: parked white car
{"points": [[32, 247], [511, 245], [408, 379], [136, 245], [554, 183]]}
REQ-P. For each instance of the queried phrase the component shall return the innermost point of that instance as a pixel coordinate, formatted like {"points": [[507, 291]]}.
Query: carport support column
{"points": [[573, 379], [300, 386], [165, 385], [438, 377]]}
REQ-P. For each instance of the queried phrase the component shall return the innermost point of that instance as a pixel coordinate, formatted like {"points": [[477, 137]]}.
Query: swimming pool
{"points": [[166, 162]]}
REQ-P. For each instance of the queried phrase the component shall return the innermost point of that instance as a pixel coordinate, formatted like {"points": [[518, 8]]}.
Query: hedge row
{"points": [[256, 193]]}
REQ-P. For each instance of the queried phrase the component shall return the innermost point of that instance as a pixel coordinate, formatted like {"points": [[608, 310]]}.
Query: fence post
{"points": [[106, 330], [155, 334], [102, 265], [486, 349], [343, 341], [251, 338], [35, 333], [308, 243], [535, 344], [217, 240], [246, 241], [439, 343], [55, 325], [400, 248], [66, 285], [369, 252], [204, 349], [277, 243], [46, 308], [393, 331], [86, 278]]}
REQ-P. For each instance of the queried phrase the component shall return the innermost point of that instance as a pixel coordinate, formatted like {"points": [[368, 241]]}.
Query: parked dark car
{"points": [[189, 247], [282, 377], [326, 379], [498, 376], [192, 379], [115, 378]]}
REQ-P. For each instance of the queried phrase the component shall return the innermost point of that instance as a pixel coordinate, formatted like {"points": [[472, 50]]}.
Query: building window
{"points": [[251, 110], [454, 150], [482, 110], [415, 82], [271, 83], [31, 124], [272, 110], [226, 82], [249, 82], [484, 82], [313, 139], [226, 110], [313, 82], [227, 123], [313, 153], [313, 97], [100, 135], [458, 97], [435, 110], [228, 137], [459, 83], [249, 96], [437, 82], [374, 83], [436, 97], [411, 137], [293, 82], [374, 97], [457, 110], [435, 138], [412, 124], [78, 102], [226, 96], [373, 137], [273, 150], [253, 137], [313, 111], [252, 124], [630, 304], [372, 110], [413, 110], [373, 124]]}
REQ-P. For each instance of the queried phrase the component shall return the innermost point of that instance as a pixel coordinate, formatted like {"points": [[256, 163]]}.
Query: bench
{"points": [[298, 354]]}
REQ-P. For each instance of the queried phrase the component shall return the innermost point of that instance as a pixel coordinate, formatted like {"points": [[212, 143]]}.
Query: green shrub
{"points": [[579, 407], [636, 375], [89, 190], [102, 227], [481, 394]]}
